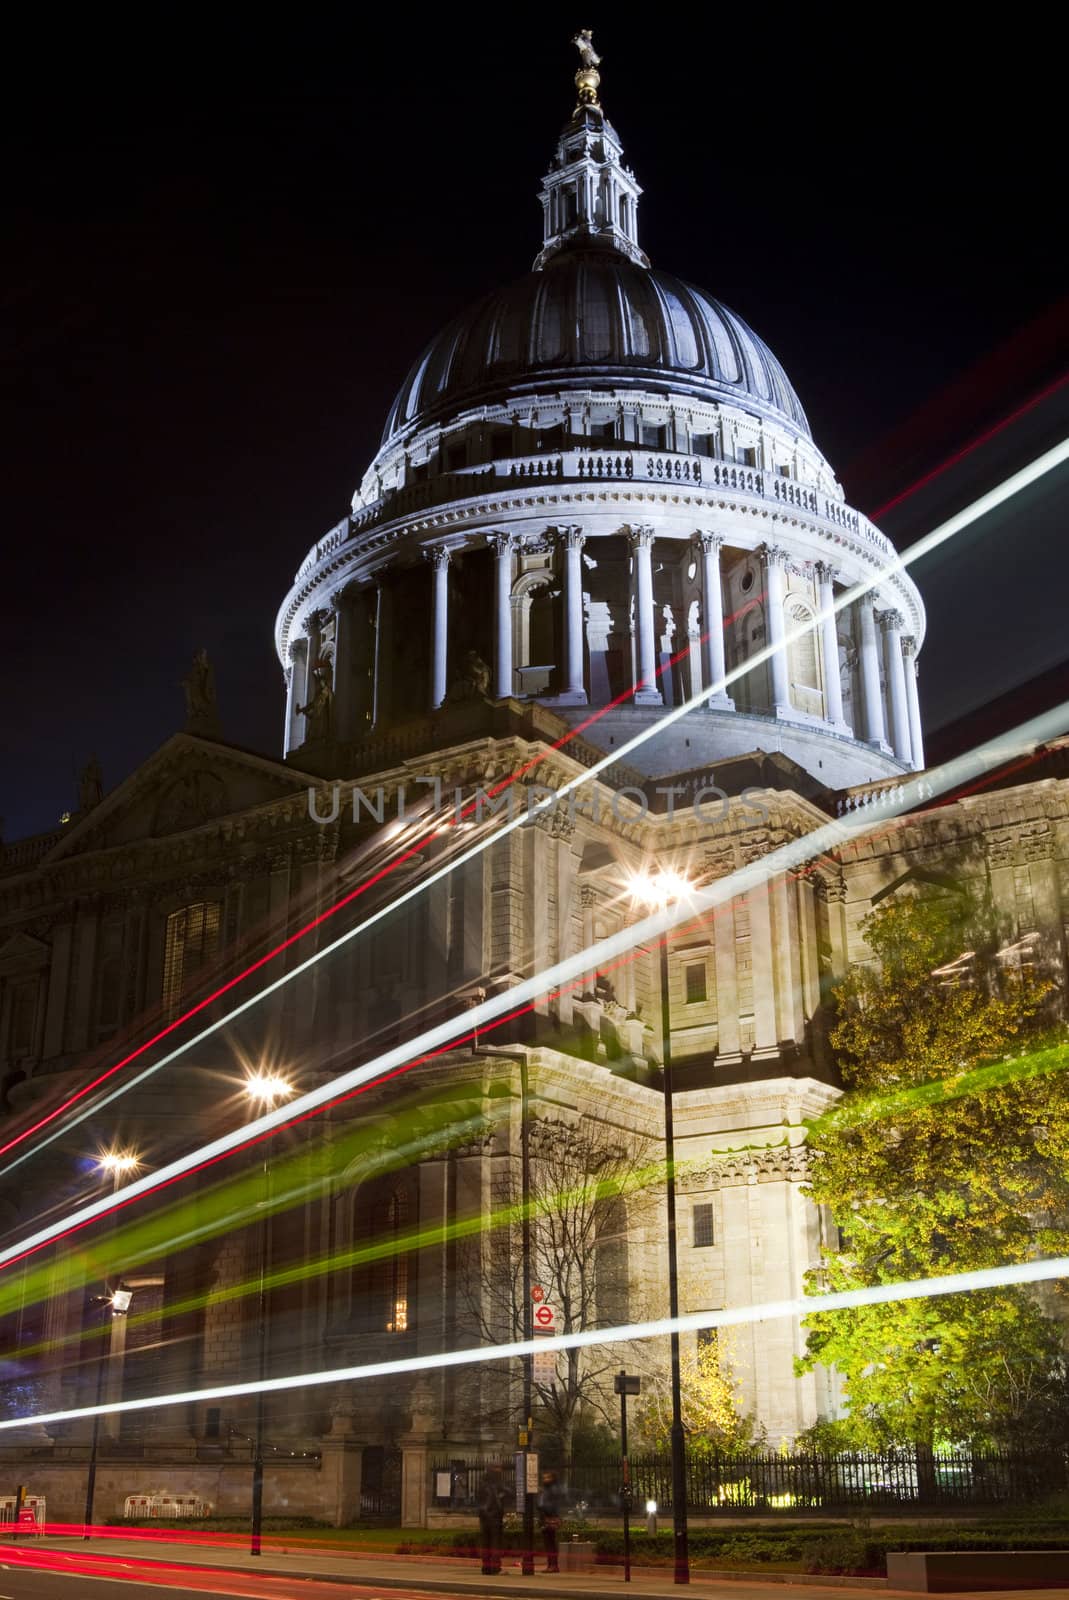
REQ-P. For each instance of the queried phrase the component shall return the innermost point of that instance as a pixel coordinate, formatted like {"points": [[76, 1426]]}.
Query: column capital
{"points": [[773, 555], [503, 544], [342, 598], [909, 645], [569, 535], [709, 543], [825, 571], [640, 535], [890, 621], [436, 554], [298, 647], [314, 621]]}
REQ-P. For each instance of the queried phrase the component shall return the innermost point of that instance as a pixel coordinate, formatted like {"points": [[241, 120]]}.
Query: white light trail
{"points": [[931, 541], [766, 1311], [795, 853]]}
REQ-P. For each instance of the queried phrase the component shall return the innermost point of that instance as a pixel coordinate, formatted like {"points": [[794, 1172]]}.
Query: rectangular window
{"points": [[703, 444], [654, 436], [603, 431], [456, 457], [746, 455], [694, 980], [1026, 906], [783, 470], [703, 1227], [709, 1339], [23, 1019], [192, 939], [501, 444]]}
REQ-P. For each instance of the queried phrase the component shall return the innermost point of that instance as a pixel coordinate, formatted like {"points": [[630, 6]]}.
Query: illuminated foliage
{"points": [[711, 1418], [922, 1178]]}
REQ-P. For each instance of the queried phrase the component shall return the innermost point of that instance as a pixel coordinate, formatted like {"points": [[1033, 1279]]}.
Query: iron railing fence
{"points": [[771, 1481]]}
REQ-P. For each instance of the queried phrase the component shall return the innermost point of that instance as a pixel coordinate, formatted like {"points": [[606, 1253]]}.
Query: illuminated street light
{"points": [[656, 890], [267, 1088], [116, 1163], [263, 1089]]}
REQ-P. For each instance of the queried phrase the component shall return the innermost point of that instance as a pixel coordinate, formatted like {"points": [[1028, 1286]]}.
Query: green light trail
{"points": [[368, 1253], [916, 1097], [369, 1150]]}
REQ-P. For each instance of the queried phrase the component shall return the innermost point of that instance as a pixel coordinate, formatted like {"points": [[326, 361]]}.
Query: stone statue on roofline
{"points": [[90, 785], [318, 714], [202, 711], [472, 681]]}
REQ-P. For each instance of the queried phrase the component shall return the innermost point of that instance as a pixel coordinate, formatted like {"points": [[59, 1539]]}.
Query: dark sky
{"points": [[227, 239]]}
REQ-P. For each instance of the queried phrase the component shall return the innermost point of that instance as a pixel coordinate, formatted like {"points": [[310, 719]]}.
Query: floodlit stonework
{"points": [[597, 477]]}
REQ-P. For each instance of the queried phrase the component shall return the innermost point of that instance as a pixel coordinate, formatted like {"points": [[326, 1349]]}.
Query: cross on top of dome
{"points": [[588, 78], [589, 198]]}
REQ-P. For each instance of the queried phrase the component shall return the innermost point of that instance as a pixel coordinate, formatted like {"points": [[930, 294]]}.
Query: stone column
{"points": [[891, 627], [764, 972], [829, 631], [869, 663], [646, 690], [916, 737], [438, 556], [713, 660], [775, 560], [570, 541], [343, 664], [296, 685], [382, 678], [503, 545]]}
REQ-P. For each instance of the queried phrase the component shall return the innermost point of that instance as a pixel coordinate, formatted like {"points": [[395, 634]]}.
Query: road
{"points": [[57, 1575]]}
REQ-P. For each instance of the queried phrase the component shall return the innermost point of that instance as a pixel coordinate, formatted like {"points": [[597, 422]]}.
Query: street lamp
{"points": [[656, 890], [263, 1090], [117, 1164]]}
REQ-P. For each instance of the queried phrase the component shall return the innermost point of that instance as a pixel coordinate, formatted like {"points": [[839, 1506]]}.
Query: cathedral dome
{"points": [[593, 318]]}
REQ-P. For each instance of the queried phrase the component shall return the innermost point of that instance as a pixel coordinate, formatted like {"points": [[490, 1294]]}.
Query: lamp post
{"points": [[626, 1383], [264, 1090], [115, 1163], [657, 890], [527, 1555]]}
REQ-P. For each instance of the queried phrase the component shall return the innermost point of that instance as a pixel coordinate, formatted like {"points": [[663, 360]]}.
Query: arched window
{"points": [[383, 1294], [611, 1262], [803, 666], [192, 939]]}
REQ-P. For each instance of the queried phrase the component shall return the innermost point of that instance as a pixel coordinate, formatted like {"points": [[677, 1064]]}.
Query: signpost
{"points": [[626, 1383], [544, 1366]]}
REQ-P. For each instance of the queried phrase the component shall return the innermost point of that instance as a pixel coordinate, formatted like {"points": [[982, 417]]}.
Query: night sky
{"points": [[226, 242]]}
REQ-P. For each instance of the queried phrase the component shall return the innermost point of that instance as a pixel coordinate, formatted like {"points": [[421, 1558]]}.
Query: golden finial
{"points": [[588, 77]]}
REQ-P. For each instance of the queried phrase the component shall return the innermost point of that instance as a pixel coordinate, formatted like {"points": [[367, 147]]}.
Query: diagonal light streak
{"points": [[364, 1254], [763, 1311], [1013, 485], [906, 794]]}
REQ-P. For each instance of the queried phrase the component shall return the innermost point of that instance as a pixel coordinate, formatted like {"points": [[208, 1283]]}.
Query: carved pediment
{"points": [[188, 783]]}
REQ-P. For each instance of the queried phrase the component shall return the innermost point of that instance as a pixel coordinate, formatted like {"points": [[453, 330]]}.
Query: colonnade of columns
{"points": [[886, 714]]}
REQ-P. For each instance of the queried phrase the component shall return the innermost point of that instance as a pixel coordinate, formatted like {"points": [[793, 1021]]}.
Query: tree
{"points": [[711, 1418], [589, 1184], [950, 1151]]}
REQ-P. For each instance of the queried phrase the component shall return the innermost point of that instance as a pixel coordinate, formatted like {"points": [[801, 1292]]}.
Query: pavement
{"points": [[307, 1570]]}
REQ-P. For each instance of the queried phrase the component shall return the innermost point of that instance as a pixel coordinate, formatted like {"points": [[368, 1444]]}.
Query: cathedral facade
{"points": [[597, 478]]}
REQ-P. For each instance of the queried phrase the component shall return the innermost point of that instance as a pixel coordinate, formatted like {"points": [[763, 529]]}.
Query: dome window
{"points": [[654, 435]]}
